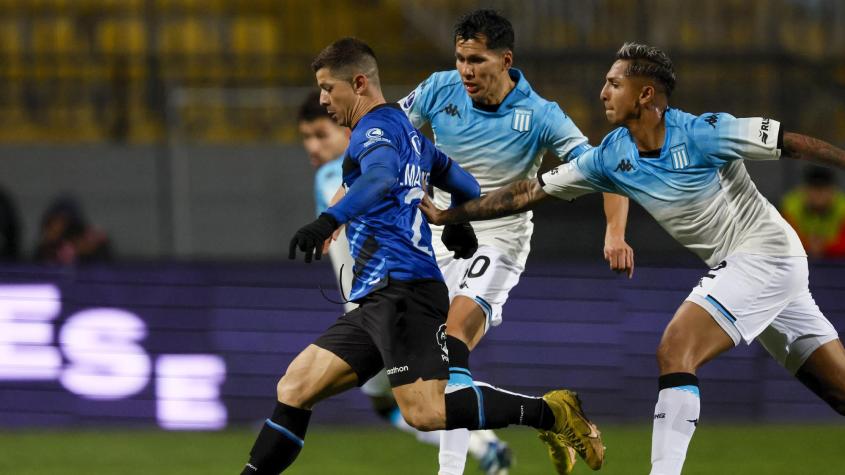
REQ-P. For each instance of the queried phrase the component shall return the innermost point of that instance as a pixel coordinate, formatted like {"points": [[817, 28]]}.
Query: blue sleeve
{"points": [[379, 173]]}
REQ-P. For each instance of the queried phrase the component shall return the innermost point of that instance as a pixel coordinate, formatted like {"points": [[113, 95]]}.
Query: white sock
{"points": [[675, 419], [453, 451], [397, 421], [479, 441]]}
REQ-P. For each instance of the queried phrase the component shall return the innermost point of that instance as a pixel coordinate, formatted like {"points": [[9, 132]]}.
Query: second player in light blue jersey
{"points": [[688, 172], [486, 116]]}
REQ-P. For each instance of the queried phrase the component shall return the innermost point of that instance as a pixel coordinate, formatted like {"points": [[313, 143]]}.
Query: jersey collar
{"points": [[521, 89]]}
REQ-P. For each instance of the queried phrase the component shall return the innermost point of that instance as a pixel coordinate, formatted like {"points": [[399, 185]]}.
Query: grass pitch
{"points": [[762, 449]]}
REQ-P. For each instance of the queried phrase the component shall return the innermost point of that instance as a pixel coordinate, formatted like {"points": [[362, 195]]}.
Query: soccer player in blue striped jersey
{"points": [[485, 115], [688, 172], [401, 318]]}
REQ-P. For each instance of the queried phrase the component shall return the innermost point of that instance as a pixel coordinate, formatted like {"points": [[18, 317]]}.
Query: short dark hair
{"points": [[348, 56], [496, 29], [311, 109], [650, 62]]}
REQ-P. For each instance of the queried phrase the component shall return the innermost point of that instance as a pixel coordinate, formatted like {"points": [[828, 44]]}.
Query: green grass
{"points": [[762, 449]]}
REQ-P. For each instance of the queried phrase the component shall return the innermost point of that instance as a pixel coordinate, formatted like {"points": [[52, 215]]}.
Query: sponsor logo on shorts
{"points": [[440, 335], [661, 415], [397, 369]]}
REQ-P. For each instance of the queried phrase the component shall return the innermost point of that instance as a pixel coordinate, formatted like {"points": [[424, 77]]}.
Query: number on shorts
{"points": [[473, 272]]}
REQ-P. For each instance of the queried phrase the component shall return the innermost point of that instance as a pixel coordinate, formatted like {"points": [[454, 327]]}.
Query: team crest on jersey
{"points": [[680, 159], [522, 120]]}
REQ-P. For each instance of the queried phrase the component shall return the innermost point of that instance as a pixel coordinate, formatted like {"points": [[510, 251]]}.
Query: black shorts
{"points": [[401, 327]]}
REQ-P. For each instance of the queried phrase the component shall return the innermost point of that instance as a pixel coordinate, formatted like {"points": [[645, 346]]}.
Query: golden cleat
{"points": [[573, 429], [563, 456]]}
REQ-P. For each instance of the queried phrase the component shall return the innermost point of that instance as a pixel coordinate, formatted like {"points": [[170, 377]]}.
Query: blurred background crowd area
{"points": [[93, 70], [173, 122]]}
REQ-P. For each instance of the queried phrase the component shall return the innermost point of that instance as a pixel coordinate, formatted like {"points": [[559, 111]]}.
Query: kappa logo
{"points": [[452, 110], [764, 130], [624, 166], [712, 119]]}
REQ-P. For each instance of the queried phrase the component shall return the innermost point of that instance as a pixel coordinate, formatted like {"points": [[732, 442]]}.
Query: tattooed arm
{"points": [[512, 199], [802, 147]]}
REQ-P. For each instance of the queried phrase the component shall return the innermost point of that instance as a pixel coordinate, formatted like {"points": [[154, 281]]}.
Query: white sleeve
{"points": [[724, 137], [566, 182]]}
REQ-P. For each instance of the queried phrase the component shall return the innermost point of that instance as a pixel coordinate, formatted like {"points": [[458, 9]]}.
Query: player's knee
{"points": [[293, 391], [424, 418]]}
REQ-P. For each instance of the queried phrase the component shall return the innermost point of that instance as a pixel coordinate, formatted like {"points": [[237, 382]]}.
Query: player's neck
{"points": [[498, 94], [364, 104], [648, 130]]}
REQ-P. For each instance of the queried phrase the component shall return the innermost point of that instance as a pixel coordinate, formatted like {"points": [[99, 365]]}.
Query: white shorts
{"points": [[378, 386], [764, 297], [487, 278]]}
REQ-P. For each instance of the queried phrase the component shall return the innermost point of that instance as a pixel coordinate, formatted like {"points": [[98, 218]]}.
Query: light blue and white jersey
{"points": [[327, 180], [497, 147], [696, 186]]}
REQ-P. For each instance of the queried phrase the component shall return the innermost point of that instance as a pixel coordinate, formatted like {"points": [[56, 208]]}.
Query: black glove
{"points": [[310, 238], [460, 239]]}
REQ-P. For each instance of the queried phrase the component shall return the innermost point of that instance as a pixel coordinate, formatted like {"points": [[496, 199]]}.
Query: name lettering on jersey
{"points": [[522, 120], [680, 159], [375, 135], [452, 110], [624, 166], [712, 119], [764, 130], [414, 176]]}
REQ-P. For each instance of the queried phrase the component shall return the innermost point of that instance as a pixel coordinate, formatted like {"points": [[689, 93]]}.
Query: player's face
{"points": [[323, 139], [621, 94], [483, 71], [337, 96]]}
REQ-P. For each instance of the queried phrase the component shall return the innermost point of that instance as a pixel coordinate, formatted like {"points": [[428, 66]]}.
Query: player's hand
{"points": [[328, 242], [312, 236], [460, 239], [432, 213], [619, 255]]}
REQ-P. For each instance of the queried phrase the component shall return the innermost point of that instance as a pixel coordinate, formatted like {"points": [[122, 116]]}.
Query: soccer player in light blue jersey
{"points": [[688, 172], [401, 318], [485, 116]]}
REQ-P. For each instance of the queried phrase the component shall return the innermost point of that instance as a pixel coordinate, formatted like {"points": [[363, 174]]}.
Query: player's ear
{"points": [[507, 59], [359, 83], [647, 94]]}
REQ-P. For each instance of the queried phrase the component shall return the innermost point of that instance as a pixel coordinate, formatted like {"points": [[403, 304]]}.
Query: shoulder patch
{"points": [[375, 135]]}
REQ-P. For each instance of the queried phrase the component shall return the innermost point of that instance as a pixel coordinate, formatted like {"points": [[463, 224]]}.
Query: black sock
{"points": [[279, 442], [458, 353], [486, 407]]}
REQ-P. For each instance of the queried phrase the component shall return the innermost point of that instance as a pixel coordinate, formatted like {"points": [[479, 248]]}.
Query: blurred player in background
{"points": [[688, 172], [486, 117], [326, 141], [403, 301], [816, 210]]}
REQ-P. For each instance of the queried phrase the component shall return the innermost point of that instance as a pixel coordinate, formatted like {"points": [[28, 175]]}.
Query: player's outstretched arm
{"points": [[515, 198], [803, 147]]}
